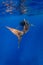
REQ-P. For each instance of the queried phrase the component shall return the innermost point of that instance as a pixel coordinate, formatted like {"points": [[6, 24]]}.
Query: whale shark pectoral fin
{"points": [[14, 31]]}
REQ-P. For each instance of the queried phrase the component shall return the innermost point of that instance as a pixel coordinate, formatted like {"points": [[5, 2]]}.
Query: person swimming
{"points": [[19, 33]]}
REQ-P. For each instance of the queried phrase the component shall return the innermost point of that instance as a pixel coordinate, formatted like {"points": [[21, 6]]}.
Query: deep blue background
{"points": [[31, 46]]}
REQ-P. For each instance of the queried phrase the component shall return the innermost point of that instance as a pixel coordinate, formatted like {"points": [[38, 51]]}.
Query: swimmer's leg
{"points": [[19, 40]]}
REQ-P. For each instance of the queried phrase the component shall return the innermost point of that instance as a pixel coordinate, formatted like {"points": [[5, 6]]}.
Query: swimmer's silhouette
{"points": [[19, 33]]}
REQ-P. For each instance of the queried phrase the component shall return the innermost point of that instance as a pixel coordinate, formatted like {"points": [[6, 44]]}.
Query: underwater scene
{"points": [[21, 32]]}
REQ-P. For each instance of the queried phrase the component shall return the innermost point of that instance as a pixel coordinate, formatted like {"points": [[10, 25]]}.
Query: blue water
{"points": [[30, 51], [31, 46]]}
